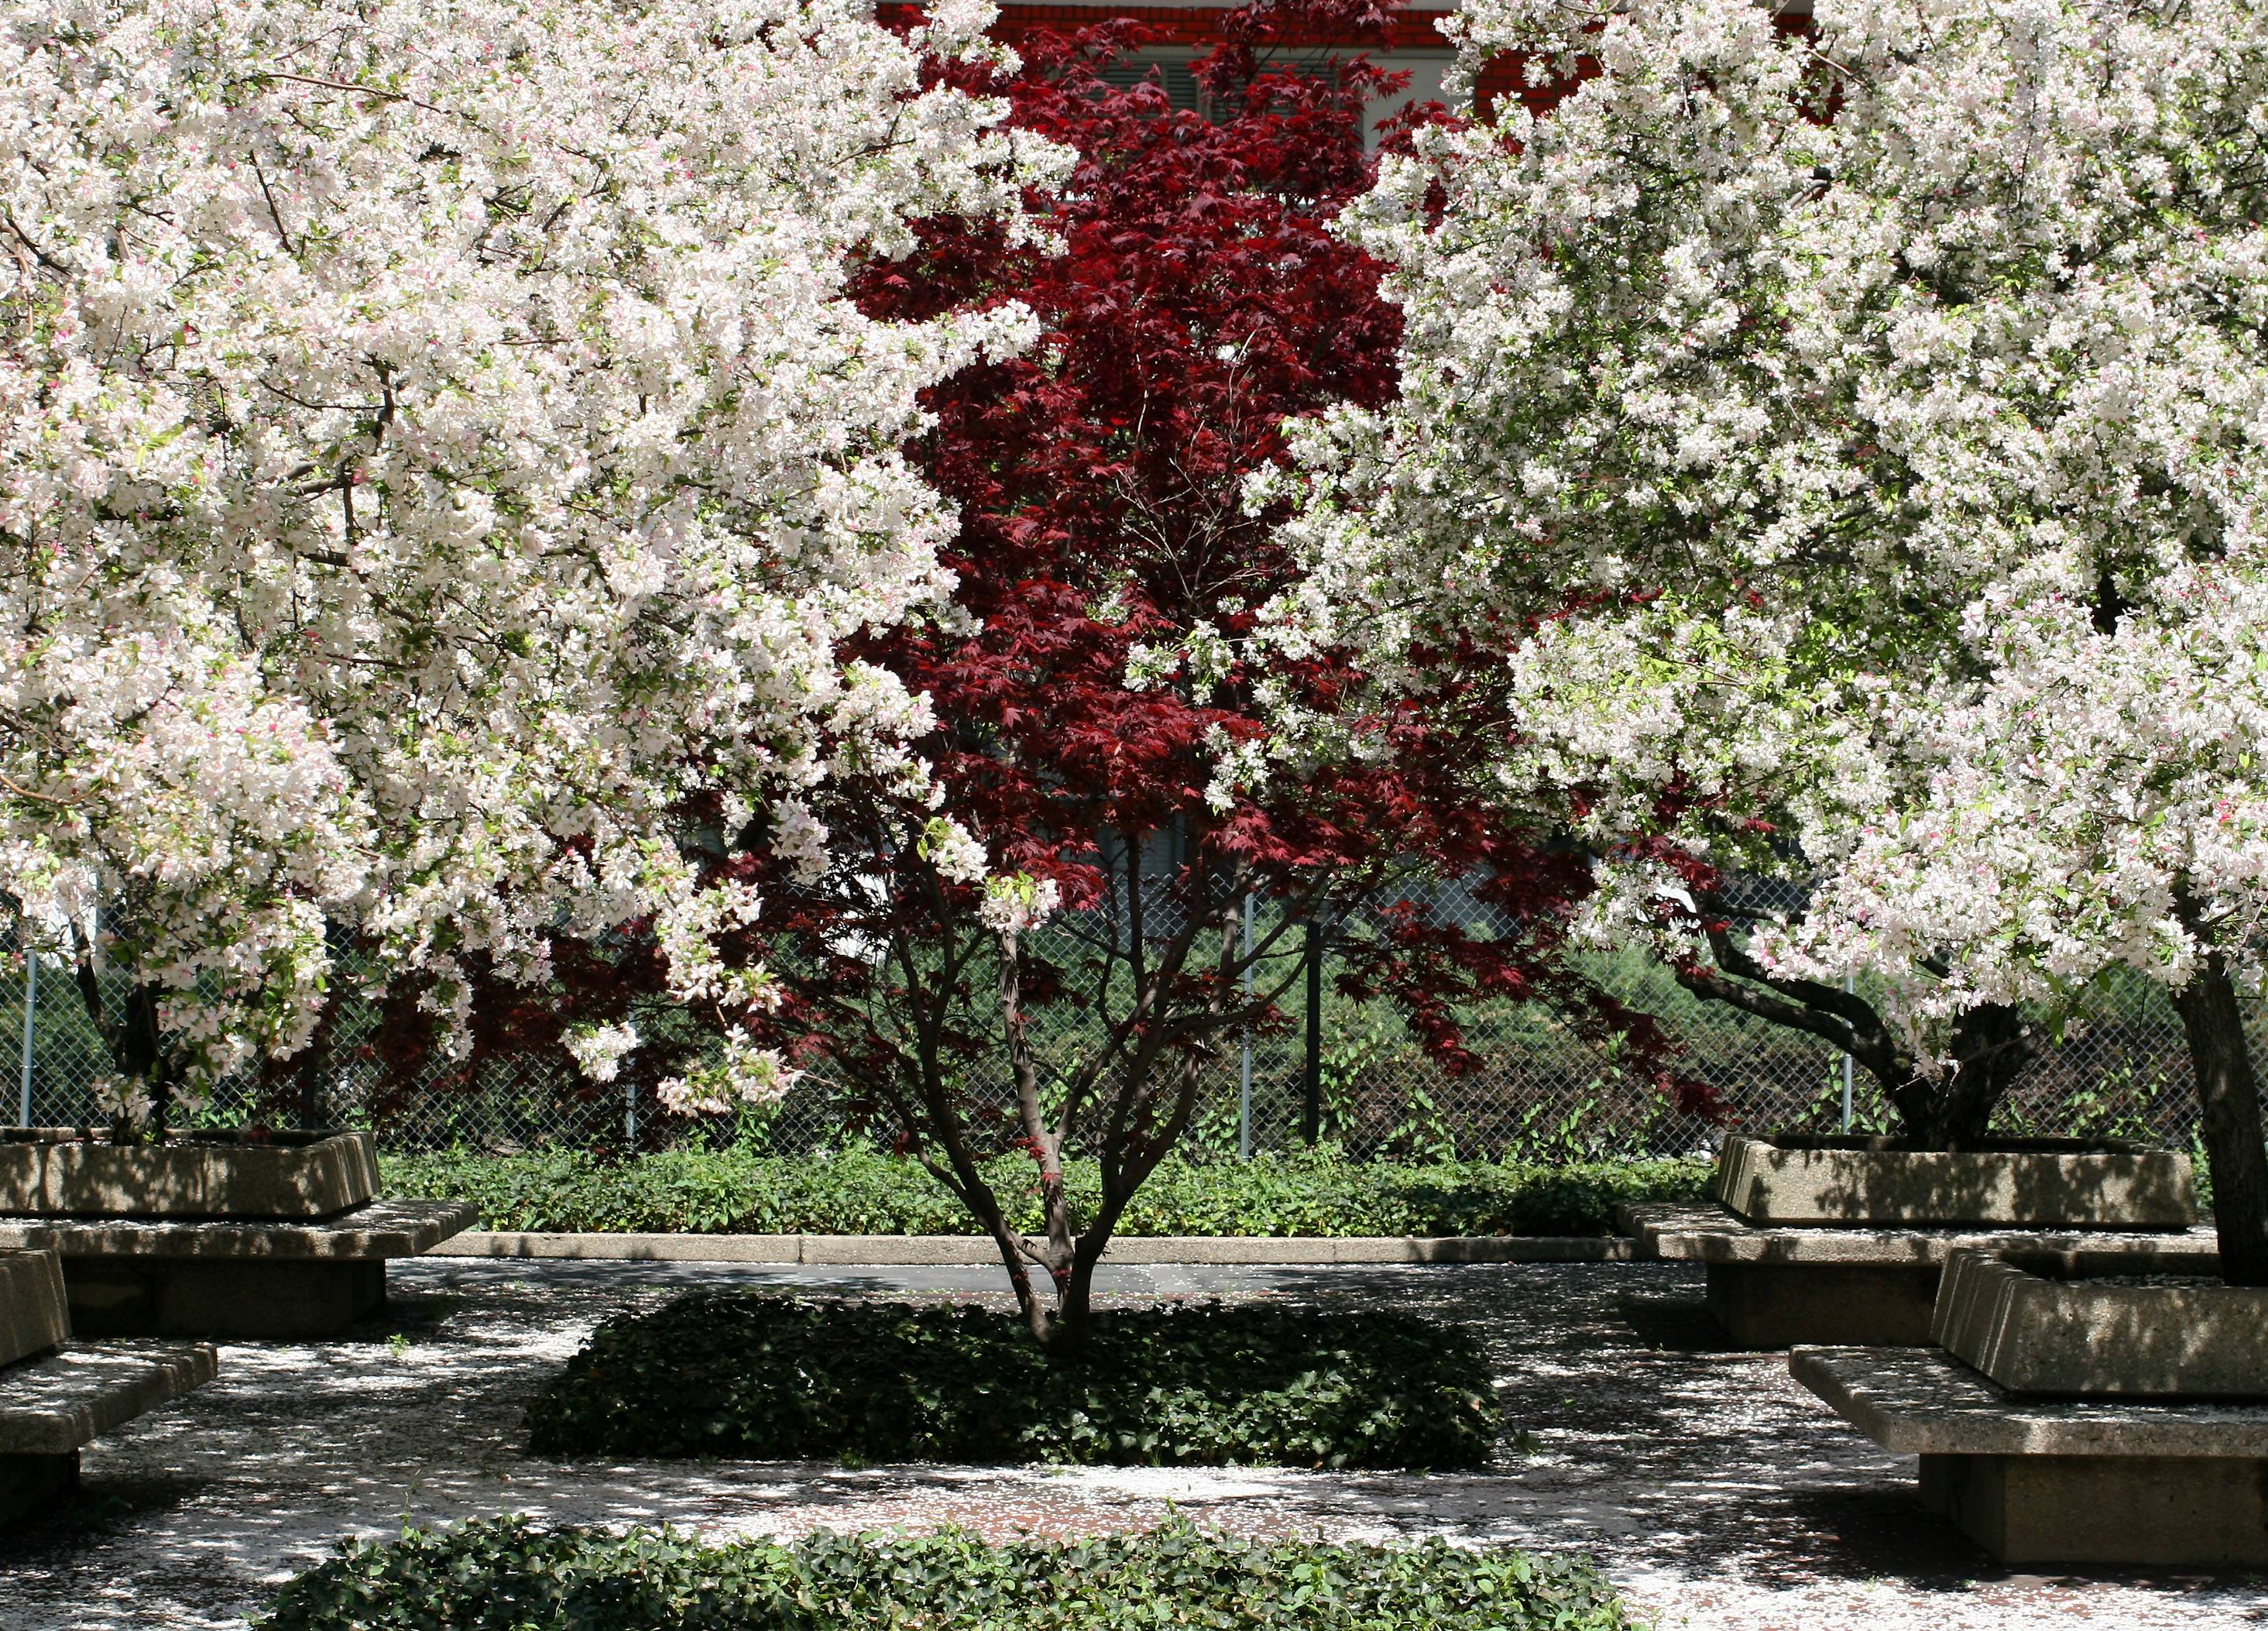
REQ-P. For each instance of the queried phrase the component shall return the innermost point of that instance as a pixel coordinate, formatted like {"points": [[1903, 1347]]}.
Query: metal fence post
{"points": [[1311, 1088], [629, 1115], [311, 1087], [315, 1113], [31, 1004], [1244, 1060]]}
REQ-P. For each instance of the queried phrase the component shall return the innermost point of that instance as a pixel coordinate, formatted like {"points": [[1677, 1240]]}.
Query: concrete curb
{"points": [[895, 1250]]}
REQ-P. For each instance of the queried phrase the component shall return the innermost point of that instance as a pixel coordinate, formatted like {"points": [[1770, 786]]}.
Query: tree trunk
{"points": [[135, 1045], [1075, 1289], [1059, 1326], [1069, 1266], [1989, 1048], [144, 1055], [1075, 1301], [1038, 1317], [1988, 1043], [1064, 1330], [2229, 1093]]}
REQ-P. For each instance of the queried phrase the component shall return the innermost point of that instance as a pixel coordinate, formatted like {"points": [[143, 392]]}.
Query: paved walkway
{"points": [[1715, 1492]]}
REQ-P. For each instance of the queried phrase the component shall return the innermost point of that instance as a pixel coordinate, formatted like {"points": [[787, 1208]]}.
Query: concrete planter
{"points": [[52, 1172], [2023, 1184], [213, 1236], [2060, 1324], [233, 1278]]}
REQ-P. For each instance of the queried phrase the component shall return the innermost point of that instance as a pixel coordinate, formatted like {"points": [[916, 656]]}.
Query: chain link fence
{"points": [[2117, 1069]]}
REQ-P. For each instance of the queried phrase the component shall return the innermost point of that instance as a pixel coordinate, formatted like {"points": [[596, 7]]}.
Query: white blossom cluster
{"points": [[1855, 439], [1016, 903], [434, 442], [740, 1074], [118, 1100], [599, 1051]]}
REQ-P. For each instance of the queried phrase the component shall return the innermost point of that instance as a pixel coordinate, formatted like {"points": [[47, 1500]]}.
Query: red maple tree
{"points": [[1194, 298]]}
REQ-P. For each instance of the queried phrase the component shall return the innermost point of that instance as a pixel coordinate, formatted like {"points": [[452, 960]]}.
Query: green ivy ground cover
{"points": [[504, 1576], [867, 1192], [767, 1376]]}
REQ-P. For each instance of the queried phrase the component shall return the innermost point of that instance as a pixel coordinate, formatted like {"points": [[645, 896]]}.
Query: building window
{"points": [[1177, 78]]}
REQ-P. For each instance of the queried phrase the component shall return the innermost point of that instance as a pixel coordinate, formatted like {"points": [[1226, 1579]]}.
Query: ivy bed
{"points": [[762, 1375], [504, 1576], [858, 1192]]}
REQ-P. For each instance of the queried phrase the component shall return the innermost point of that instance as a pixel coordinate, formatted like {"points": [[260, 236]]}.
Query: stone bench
{"points": [[56, 1395], [2053, 1482], [1773, 1286], [53, 1404], [234, 1278]]}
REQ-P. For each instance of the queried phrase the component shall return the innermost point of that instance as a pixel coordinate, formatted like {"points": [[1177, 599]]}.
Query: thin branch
{"points": [[274, 214], [363, 90]]}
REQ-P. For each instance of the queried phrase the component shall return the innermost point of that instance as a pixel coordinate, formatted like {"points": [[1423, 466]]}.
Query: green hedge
{"points": [[504, 1576], [766, 1377], [858, 1192]]}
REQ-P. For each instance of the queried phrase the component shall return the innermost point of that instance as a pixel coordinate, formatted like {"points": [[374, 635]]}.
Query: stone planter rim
{"points": [[221, 1138], [1861, 1181], [49, 1172], [2035, 1323], [2076, 1264], [1898, 1144]]}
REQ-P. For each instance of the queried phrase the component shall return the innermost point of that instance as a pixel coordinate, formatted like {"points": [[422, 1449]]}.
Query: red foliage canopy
{"points": [[1199, 299]]}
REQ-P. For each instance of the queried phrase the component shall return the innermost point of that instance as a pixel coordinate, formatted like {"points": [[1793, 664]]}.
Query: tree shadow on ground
{"points": [[1675, 1324], [1705, 1480]]}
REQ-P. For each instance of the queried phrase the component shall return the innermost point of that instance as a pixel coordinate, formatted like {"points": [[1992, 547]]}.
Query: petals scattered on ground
{"points": [[1714, 1491]]}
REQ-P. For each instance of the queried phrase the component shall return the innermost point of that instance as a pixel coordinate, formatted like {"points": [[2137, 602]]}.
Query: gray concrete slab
{"points": [[33, 1317], [1679, 1232], [2026, 1183], [287, 1299], [1774, 1285], [60, 1401], [55, 1171], [2175, 1511], [233, 1278], [1924, 1402], [2042, 1481], [2063, 1323]]}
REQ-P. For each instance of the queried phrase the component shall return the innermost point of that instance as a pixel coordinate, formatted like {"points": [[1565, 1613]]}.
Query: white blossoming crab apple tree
{"points": [[1849, 431], [433, 444], [2097, 801]]}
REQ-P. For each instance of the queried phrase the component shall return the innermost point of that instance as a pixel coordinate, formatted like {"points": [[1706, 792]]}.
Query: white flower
{"points": [[1018, 903], [742, 1073], [1785, 462], [799, 840], [598, 1050], [121, 1100], [1148, 666], [1112, 609], [948, 846]]}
